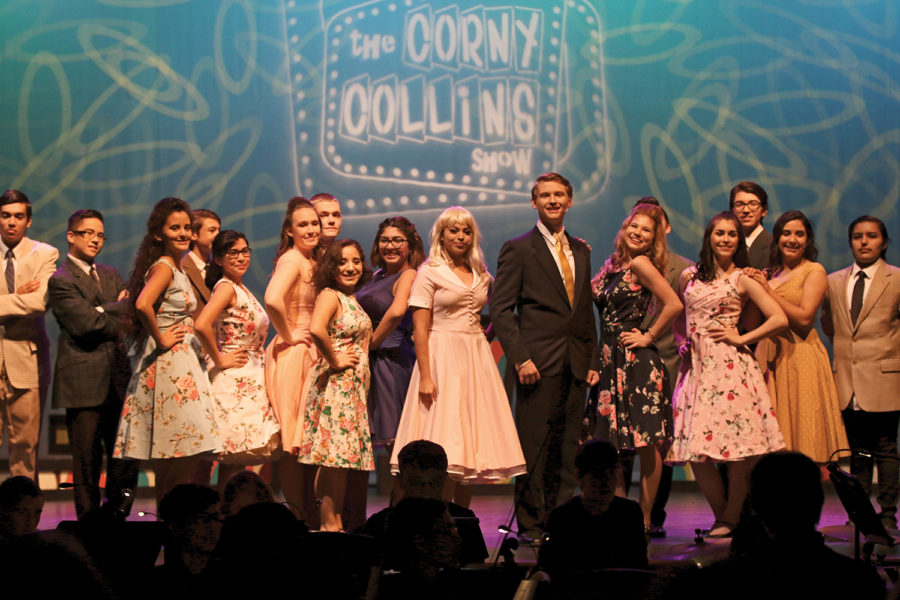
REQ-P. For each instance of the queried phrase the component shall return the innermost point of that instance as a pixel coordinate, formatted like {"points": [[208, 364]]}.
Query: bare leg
{"points": [[290, 473], [710, 483], [738, 486], [172, 471], [651, 471], [331, 486]]}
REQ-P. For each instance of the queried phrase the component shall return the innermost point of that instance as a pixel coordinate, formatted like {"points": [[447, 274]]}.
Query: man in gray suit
{"points": [[861, 316], [750, 203], [92, 371]]}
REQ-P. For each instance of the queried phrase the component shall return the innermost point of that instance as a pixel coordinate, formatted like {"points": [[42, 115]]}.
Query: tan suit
{"points": [[867, 356], [25, 354], [201, 292], [867, 366]]}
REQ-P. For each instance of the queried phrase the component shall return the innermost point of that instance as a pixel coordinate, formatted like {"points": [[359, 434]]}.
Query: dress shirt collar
{"points": [[869, 271], [754, 234], [81, 264], [548, 235]]}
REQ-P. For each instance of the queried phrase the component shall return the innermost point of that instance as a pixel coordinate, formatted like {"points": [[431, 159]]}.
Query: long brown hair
{"points": [[286, 242], [148, 252], [706, 265], [659, 250]]}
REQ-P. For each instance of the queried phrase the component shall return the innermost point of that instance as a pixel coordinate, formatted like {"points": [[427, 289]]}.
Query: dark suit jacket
{"points": [[201, 292], [89, 354], [530, 309], [758, 253]]}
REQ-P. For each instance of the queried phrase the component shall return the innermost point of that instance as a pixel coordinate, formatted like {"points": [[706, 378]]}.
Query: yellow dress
{"points": [[798, 374]]}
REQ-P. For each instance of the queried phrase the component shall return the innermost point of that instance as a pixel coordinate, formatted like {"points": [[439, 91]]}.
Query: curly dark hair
{"points": [[706, 265], [325, 273], [149, 252], [811, 252], [225, 239], [416, 247]]}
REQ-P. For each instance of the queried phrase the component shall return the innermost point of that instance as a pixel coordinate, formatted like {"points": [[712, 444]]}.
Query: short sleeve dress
{"points": [[391, 363], [248, 429], [798, 375], [168, 410], [336, 423], [721, 405], [471, 418]]}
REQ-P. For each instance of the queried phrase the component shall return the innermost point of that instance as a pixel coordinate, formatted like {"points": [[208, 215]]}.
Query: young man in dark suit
{"points": [[750, 203], [542, 312], [205, 226], [92, 370]]}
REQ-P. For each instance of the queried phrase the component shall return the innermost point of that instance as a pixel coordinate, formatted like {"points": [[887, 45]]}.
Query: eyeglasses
{"points": [[90, 234], [232, 253], [753, 205], [397, 241]]}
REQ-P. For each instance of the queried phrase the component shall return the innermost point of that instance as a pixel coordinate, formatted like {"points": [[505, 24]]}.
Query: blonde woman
{"points": [[456, 397]]}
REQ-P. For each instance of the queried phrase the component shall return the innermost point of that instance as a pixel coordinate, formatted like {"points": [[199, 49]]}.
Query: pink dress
{"points": [[287, 367], [470, 418], [721, 406]]}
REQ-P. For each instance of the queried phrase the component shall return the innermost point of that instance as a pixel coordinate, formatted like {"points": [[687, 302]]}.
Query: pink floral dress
{"points": [[721, 405], [336, 423], [249, 431], [168, 410]]}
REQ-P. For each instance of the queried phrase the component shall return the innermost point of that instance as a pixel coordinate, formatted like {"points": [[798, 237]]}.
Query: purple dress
{"points": [[391, 363]]}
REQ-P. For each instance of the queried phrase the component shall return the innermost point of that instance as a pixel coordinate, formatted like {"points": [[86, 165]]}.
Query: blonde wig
{"points": [[456, 215]]}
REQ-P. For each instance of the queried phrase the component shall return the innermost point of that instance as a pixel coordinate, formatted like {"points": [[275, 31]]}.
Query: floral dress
{"points": [[168, 410], [721, 405], [249, 431], [632, 409], [336, 423]]}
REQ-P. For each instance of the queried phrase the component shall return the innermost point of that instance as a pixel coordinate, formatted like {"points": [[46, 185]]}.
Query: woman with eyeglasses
{"points": [[233, 327]]}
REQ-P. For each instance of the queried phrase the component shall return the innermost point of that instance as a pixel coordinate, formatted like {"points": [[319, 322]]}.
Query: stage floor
{"points": [[687, 511]]}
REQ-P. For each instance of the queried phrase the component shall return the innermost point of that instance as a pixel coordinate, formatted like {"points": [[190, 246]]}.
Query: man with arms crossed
{"points": [[861, 316], [542, 312], [24, 346], [92, 370]]}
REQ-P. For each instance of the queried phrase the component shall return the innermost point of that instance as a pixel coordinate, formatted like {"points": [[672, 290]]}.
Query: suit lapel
{"points": [[194, 275], [85, 282], [545, 260], [876, 289]]}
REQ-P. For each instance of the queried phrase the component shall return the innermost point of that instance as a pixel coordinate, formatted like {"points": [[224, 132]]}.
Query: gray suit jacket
{"points": [[89, 354], [24, 345], [866, 355], [759, 252]]}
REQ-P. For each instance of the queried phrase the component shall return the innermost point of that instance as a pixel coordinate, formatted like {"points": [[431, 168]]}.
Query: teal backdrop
{"points": [[407, 106]]}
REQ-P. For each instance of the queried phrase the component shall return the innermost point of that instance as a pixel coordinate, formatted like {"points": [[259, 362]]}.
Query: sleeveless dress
{"points": [[721, 406], [391, 364], [470, 418], [248, 429], [632, 409], [168, 410], [287, 367], [798, 374], [336, 424]]}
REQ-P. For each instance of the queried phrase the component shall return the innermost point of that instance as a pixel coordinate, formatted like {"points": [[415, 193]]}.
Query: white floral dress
{"points": [[168, 410], [336, 424], [249, 431]]}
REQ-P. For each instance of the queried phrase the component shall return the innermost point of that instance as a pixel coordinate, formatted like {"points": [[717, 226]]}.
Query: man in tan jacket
{"points": [[862, 317], [24, 347]]}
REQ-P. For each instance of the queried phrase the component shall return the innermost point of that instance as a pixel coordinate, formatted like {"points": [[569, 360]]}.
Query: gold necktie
{"points": [[568, 277]]}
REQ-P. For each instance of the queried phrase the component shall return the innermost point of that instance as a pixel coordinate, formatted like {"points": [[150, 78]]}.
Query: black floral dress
{"points": [[632, 409]]}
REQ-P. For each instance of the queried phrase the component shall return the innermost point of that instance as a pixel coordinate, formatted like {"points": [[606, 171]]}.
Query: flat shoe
{"points": [[721, 529]]}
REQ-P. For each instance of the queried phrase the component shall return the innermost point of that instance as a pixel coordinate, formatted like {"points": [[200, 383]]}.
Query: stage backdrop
{"points": [[405, 106]]}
